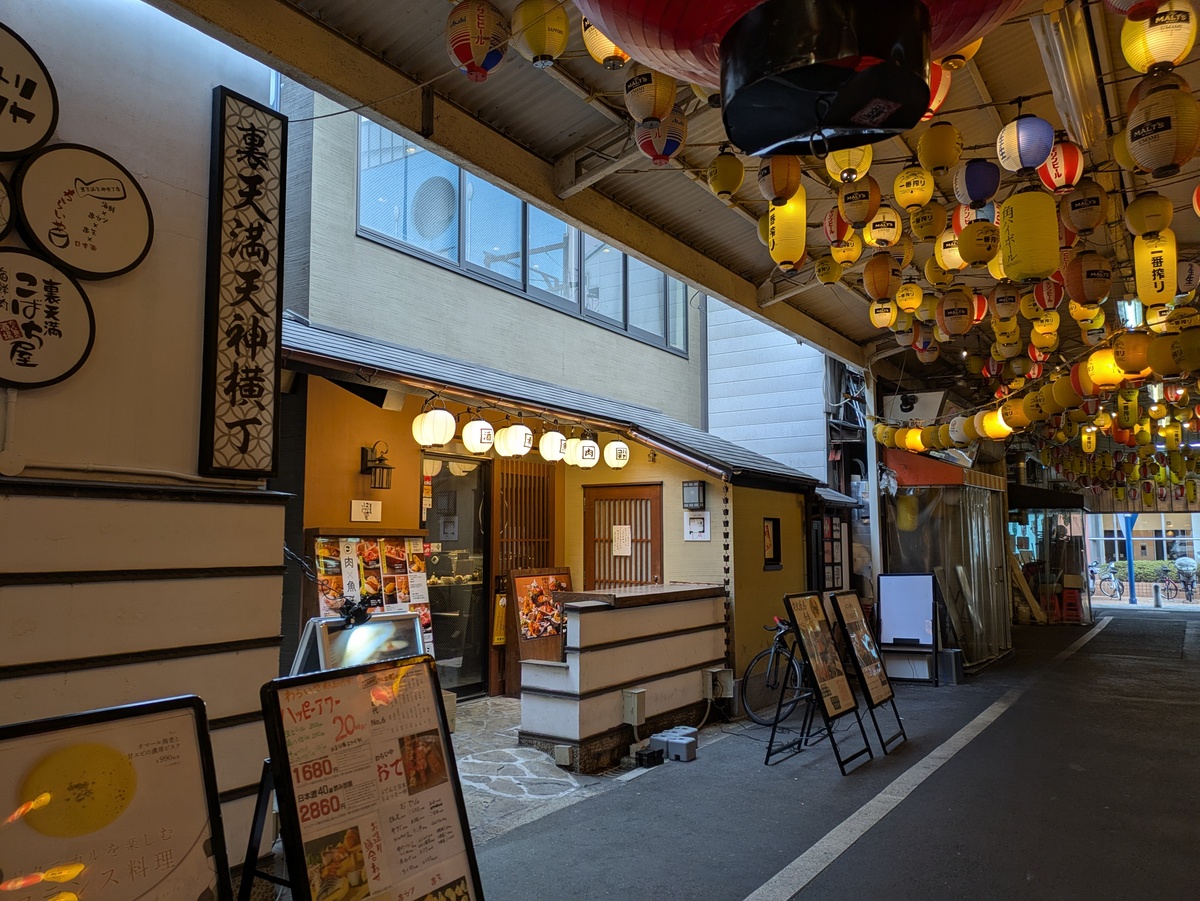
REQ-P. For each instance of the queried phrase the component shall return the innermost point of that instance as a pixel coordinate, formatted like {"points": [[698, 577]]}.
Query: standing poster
{"points": [[807, 615], [866, 650], [112, 805], [239, 409], [541, 623], [370, 804]]}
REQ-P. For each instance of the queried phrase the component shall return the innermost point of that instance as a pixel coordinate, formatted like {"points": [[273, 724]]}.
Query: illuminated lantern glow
{"points": [[787, 231], [935, 274], [601, 48], [1006, 329], [1081, 381], [1164, 130], [540, 31], [433, 428], [478, 436], [929, 221], [1028, 235], [902, 251], [1048, 294], [909, 297], [994, 426], [858, 201], [1095, 321], [725, 173], [1013, 413], [1171, 433], [849, 164], [836, 229], [959, 58], [828, 270], [1063, 167], [764, 226], [884, 228], [883, 313], [664, 141], [649, 95], [1103, 370], [1024, 144], [1162, 40], [552, 446], [1157, 319], [1087, 441], [979, 243], [779, 178], [1165, 356], [1121, 152], [616, 454], [514, 441], [939, 148], [979, 308], [1155, 267], [1082, 312], [1153, 82], [939, 88], [848, 253], [1130, 350], [954, 312], [477, 38], [929, 354], [587, 452], [1196, 200], [1083, 209], [945, 251], [996, 266], [881, 276], [976, 182], [1089, 278], [1004, 300], [1046, 324]]}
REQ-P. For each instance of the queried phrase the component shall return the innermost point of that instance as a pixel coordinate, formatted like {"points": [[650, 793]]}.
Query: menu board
{"points": [[820, 653], [370, 804], [866, 650], [541, 623], [112, 805], [388, 573]]}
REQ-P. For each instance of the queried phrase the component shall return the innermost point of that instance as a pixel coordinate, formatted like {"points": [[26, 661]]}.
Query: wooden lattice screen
{"points": [[636, 506]]}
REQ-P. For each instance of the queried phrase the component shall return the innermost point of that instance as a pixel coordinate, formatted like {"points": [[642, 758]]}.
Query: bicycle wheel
{"points": [[1110, 587], [772, 670], [1170, 589]]}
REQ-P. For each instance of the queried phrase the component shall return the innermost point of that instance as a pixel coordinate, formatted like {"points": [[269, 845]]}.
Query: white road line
{"points": [[805, 868]]}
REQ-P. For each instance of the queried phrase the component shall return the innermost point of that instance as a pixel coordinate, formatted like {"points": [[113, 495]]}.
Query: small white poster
{"points": [[622, 541], [696, 525]]}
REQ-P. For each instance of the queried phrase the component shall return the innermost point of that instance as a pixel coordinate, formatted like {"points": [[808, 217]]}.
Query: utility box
{"points": [[718, 683], [633, 703]]}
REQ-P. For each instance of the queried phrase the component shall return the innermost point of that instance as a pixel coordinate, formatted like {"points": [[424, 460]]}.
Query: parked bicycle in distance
{"points": [[1103, 577], [773, 670], [1169, 587]]}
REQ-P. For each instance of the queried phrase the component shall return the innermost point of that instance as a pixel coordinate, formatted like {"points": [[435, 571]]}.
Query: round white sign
{"points": [[30, 112]]}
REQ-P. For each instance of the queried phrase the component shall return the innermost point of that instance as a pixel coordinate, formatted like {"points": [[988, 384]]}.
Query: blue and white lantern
{"points": [[976, 182], [1024, 144]]}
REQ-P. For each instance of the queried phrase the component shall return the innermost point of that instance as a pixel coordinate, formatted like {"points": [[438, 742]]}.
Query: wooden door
{"points": [[606, 510]]}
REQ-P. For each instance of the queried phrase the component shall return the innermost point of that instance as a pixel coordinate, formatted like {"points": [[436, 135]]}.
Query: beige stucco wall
{"points": [[366, 288]]}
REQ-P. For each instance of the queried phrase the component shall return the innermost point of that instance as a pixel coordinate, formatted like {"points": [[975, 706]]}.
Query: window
{"points": [[553, 265], [647, 312], [603, 280], [492, 229], [677, 314]]}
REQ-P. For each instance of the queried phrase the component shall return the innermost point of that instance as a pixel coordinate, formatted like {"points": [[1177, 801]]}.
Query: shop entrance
{"points": [[622, 536], [455, 509]]}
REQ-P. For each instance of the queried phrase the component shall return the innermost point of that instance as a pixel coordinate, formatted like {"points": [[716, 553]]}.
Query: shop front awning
{"points": [[366, 362]]}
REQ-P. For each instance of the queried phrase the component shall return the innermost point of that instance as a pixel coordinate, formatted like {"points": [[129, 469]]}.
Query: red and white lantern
{"points": [[1063, 167]]}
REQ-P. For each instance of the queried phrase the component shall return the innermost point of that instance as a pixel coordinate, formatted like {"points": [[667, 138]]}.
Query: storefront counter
{"points": [[660, 639]]}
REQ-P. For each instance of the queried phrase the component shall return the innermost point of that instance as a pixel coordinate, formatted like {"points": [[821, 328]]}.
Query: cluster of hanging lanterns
{"points": [[436, 427]]}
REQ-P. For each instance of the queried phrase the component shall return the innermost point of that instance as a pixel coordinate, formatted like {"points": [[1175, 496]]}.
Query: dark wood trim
{"points": [[355, 530], [632, 683], [640, 596], [235, 720], [711, 627], [140, 492], [51, 667], [71, 577], [236, 794]]}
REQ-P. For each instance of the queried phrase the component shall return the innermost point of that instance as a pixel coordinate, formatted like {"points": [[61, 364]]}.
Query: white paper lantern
{"points": [[514, 440], [433, 428], [588, 451], [616, 454], [552, 446], [478, 436]]}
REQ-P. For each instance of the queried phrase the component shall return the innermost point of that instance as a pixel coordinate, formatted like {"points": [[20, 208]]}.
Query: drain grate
{"points": [[1160, 639]]}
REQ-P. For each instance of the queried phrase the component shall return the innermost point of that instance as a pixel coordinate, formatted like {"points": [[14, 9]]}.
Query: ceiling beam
{"points": [[587, 95]]}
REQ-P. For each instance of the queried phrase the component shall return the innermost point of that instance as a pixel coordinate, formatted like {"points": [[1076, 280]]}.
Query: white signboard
{"points": [[366, 511], [622, 541]]}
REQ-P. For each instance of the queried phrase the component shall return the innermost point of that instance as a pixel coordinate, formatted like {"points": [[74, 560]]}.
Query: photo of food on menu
{"points": [[538, 614], [336, 866]]}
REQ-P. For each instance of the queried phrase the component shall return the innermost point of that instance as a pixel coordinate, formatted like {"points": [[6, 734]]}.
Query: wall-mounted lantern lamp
{"points": [[693, 495], [375, 465]]}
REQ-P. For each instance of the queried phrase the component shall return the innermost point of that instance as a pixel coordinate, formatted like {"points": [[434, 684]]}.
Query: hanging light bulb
{"points": [[601, 49], [1024, 144], [725, 173]]}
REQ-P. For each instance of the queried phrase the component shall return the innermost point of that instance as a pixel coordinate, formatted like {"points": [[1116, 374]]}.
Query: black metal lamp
{"points": [[375, 465], [693, 495]]}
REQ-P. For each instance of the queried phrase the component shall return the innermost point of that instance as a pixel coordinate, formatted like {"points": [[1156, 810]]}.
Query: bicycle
{"points": [[1110, 586], [1170, 588], [771, 670]]}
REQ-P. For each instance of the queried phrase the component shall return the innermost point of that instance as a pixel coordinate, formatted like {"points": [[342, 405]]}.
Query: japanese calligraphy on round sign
{"points": [[46, 322], [83, 209], [28, 101]]}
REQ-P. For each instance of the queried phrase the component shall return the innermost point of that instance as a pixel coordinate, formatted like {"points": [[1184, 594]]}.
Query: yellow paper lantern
{"points": [[1028, 308], [1103, 370], [884, 228], [935, 274], [913, 441], [1165, 356], [939, 148], [1189, 349], [902, 251], [601, 49], [945, 251], [1013, 413], [996, 267], [979, 243], [881, 276], [929, 221], [1121, 152], [725, 173], [1129, 352], [1161, 41], [849, 164], [927, 309], [788, 230], [764, 227], [1064, 393], [858, 201], [828, 270], [1157, 319], [913, 188], [883, 313], [1155, 267], [779, 178], [540, 31], [649, 95], [848, 253], [1087, 440], [958, 59], [909, 297], [1029, 235], [1149, 213], [1082, 312]]}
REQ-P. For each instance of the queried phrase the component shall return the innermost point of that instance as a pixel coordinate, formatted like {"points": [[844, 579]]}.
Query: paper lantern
{"points": [[929, 354], [476, 38], [884, 228], [1087, 441], [1013, 413], [552, 446], [1134, 9], [725, 173], [1103, 370], [1096, 320], [1164, 131], [433, 428], [1089, 277], [478, 436], [1156, 318], [935, 274], [964, 215], [1092, 337], [1150, 212], [601, 48], [959, 58], [1064, 394], [828, 270], [945, 251], [1029, 307], [1083, 208], [1187, 276], [909, 297], [849, 164], [764, 225], [571, 457], [616, 454], [1155, 268], [1081, 381], [902, 251], [979, 308], [882, 313], [1028, 235], [587, 452], [710, 97], [979, 243], [663, 142], [1024, 144], [939, 88], [955, 312], [903, 331], [1063, 167], [649, 95], [1165, 356], [540, 30], [858, 201], [1047, 294], [1153, 82], [514, 440], [1189, 349], [994, 426], [1006, 329], [787, 231], [1162, 40], [1036, 355], [1004, 300], [1046, 324], [913, 188], [923, 336], [1196, 201], [976, 182], [939, 148], [881, 276], [848, 253], [929, 221], [837, 230], [996, 266], [1121, 152], [779, 177]]}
